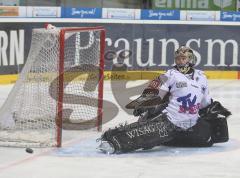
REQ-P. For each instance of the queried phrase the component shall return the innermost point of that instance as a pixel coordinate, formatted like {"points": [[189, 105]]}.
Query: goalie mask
{"points": [[184, 59]]}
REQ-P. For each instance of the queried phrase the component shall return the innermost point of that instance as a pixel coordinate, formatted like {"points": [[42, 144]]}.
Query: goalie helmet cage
{"points": [[61, 83]]}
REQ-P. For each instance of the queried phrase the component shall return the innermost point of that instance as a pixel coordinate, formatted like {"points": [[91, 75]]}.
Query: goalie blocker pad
{"points": [[140, 135], [211, 128], [216, 115]]}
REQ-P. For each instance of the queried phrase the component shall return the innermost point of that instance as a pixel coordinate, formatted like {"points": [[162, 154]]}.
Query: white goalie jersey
{"points": [[189, 93]]}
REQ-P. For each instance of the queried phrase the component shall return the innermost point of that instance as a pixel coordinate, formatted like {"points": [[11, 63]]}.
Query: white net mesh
{"points": [[28, 116]]}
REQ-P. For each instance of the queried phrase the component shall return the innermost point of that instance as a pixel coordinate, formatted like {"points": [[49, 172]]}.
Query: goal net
{"points": [[61, 85]]}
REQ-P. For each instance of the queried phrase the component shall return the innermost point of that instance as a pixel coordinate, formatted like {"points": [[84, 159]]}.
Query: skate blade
{"points": [[106, 147]]}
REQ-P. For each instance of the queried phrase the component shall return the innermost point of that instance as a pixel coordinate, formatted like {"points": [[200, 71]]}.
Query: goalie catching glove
{"points": [[147, 101], [150, 98]]}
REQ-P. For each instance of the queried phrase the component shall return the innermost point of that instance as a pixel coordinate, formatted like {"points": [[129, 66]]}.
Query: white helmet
{"points": [[188, 53]]}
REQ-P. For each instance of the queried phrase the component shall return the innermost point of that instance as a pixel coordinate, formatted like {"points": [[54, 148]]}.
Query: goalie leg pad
{"points": [[140, 135], [197, 136]]}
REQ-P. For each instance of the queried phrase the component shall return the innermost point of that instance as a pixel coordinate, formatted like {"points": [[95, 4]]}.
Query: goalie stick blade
{"points": [[106, 147]]}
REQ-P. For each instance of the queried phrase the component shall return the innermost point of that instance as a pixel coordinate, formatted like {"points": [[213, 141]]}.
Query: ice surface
{"points": [[79, 158]]}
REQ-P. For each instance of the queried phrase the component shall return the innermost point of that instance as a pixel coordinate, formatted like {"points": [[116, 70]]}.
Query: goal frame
{"points": [[59, 119]]}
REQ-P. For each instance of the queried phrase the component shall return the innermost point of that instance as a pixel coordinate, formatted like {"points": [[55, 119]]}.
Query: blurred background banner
{"points": [[230, 16], [227, 5], [9, 3], [112, 13], [160, 14], [9, 11], [212, 5], [148, 47], [202, 15], [48, 12], [87, 12]]}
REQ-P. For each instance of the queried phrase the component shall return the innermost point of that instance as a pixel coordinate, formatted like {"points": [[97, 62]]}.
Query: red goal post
{"points": [[63, 32]]}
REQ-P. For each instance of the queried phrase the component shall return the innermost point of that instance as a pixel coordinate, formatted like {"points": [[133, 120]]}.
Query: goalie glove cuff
{"points": [[213, 111], [150, 92]]}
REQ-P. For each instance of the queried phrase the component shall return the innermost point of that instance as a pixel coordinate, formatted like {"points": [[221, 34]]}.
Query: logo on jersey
{"points": [[203, 89], [181, 84], [188, 105]]}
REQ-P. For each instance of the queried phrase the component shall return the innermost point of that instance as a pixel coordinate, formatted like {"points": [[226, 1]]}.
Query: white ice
{"points": [[78, 157]]}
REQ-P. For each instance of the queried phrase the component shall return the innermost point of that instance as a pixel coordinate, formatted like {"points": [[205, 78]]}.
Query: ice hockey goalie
{"points": [[175, 109]]}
